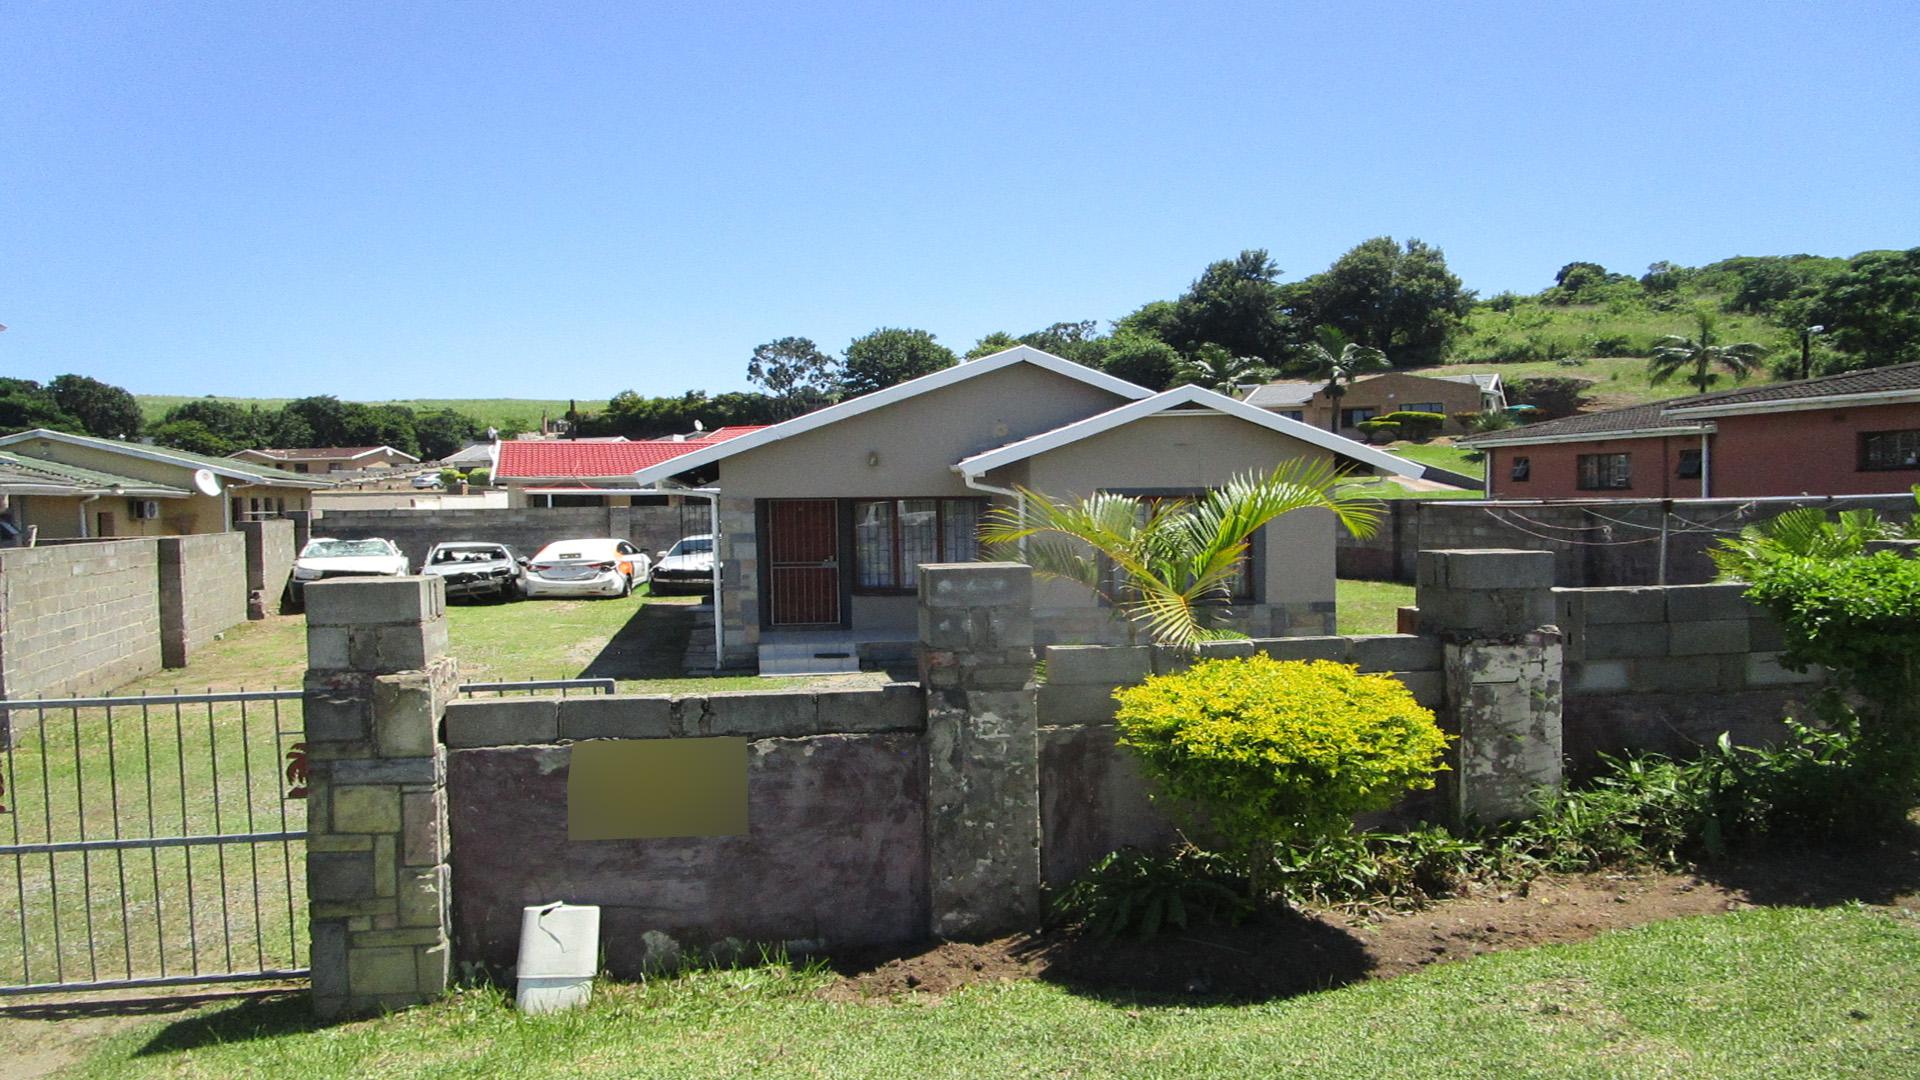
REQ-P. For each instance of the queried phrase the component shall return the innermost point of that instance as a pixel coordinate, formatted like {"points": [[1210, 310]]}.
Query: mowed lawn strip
{"points": [[1370, 607], [1757, 993]]}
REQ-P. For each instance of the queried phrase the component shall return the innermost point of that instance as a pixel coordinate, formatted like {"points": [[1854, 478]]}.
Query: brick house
{"points": [[1856, 433], [1378, 395], [326, 459]]}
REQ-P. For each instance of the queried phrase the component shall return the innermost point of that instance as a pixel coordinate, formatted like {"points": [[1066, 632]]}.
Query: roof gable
{"points": [[1187, 397], [166, 455], [706, 452]]}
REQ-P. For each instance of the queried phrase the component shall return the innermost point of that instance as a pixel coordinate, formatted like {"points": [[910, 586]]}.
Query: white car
{"points": [[325, 558], [598, 567], [687, 565], [427, 481]]}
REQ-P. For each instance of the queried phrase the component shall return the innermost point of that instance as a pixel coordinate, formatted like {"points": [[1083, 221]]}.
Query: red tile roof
{"points": [[734, 432], [571, 459]]}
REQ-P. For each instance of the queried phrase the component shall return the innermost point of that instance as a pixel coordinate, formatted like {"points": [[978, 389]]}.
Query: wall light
{"points": [[873, 458]]}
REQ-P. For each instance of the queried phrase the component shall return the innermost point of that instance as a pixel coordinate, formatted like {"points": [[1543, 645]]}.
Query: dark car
{"points": [[478, 568]]}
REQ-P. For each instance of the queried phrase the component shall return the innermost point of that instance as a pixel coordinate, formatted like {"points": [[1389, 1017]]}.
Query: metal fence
{"points": [[152, 841]]}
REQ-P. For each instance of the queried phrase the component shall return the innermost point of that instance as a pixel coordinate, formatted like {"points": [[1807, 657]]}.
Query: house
{"points": [[46, 496], [161, 491], [1376, 395], [326, 459], [1856, 433], [589, 472], [824, 519]]}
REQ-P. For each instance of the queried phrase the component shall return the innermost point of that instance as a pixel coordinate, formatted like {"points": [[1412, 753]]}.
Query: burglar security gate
{"points": [[152, 841]]}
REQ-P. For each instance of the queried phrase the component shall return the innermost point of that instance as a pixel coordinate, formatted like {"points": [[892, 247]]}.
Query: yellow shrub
{"points": [[1279, 752]]}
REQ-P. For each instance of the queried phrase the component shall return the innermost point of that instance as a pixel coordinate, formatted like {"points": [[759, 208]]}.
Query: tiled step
{"points": [[808, 659]]}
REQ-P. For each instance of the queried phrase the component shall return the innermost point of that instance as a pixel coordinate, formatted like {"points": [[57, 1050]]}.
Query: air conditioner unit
{"points": [[144, 509]]}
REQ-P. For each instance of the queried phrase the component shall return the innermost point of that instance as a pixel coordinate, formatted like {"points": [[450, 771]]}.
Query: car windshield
{"points": [[467, 554], [336, 549], [692, 545]]}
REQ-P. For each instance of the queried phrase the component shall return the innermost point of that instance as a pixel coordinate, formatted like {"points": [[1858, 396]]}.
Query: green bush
{"points": [[1488, 420], [449, 476], [1417, 425], [1136, 891], [1379, 430], [480, 477], [1278, 753], [1397, 870]]}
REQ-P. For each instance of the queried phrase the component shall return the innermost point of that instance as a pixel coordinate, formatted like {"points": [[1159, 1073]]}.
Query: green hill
{"points": [[518, 413]]}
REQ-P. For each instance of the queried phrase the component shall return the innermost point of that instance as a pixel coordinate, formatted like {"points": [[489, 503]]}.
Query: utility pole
{"points": [[1806, 350]]}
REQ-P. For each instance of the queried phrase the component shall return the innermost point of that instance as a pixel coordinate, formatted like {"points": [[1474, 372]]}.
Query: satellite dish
{"points": [[205, 482]]}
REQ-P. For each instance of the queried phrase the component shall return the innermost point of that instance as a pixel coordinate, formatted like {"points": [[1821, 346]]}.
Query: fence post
{"points": [[983, 750], [377, 684], [1493, 611]]}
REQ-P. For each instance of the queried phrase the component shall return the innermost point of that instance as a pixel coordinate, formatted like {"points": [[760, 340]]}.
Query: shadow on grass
{"points": [[650, 645], [1878, 871], [1280, 954], [262, 1017]]}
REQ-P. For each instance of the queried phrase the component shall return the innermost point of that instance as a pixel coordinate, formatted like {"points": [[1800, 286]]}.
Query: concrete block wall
{"points": [[203, 591], [835, 852], [1589, 551], [653, 528], [1101, 625], [1667, 669], [270, 551], [78, 618]]}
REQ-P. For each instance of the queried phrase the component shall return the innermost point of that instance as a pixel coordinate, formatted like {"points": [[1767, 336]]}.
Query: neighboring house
{"points": [[48, 498], [825, 519], [1856, 433], [326, 459], [173, 497], [1376, 395], [466, 459], [588, 472]]}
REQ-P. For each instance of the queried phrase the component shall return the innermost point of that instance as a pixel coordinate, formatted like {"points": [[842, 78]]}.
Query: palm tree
{"points": [[1173, 561], [1332, 357], [1212, 367], [1673, 354]]}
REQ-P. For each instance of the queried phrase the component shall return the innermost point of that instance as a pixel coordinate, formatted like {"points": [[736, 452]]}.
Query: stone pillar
{"points": [[738, 547], [1493, 612], [983, 750], [377, 684]]}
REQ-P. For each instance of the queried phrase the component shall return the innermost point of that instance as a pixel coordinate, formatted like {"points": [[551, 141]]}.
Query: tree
{"points": [[1237, 304], [1141, 359], [1339, 361], [323, 419], [1172, 562], [796, 374], [1673, 354], [1402, 301], [237, 425], [104, 410], [444, 431], [380, 425], [1079, 342], [1872, 308], [998, 341], [194, 437], [889, 356], [1212, 367], [25, 404]]}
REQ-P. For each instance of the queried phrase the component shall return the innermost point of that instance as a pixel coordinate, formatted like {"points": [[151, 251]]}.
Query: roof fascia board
{"points": [[144, 453], [1824, 401], [865, 403], [1594, 436], [1186, 395]]}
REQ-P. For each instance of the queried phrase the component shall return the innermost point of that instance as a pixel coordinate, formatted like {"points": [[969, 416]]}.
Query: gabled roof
{"points": [[588, 460], [1187, 397], [323, 453], [708, 451], [1276, 394], [21, 475], [1487, 381], [230, 468], [1695, 413]]}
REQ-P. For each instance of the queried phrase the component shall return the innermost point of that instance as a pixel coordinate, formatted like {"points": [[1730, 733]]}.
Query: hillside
{"points": [[517, 413]]}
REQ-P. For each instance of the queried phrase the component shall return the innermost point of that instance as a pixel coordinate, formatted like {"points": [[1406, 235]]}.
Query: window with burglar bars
{"points": [[892, 537], [1605, 472], [1888, 450]]}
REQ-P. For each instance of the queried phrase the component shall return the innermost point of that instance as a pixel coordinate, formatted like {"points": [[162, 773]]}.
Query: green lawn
{"points": [[1760, 993], [1617, 380], [1370, 607], [1445, 455]]}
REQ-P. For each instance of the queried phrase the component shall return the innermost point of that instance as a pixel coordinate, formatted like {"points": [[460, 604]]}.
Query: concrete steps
{"points": [[809, 658]]}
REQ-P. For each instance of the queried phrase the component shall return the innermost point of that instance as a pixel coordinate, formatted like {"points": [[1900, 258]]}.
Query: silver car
{"points": [[477, 568]]}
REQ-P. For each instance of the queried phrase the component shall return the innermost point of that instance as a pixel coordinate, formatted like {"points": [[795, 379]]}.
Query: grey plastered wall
{"points": [[78, 618], [835, 853], [1667, 670], [203, 591], [653, 528], [1092, 797]]}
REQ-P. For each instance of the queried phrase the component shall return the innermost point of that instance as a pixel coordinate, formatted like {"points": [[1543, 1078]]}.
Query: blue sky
{"points": [[481, 200]]}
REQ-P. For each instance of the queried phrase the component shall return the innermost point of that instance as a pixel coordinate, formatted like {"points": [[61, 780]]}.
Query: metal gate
{"points": [[152, 841]]}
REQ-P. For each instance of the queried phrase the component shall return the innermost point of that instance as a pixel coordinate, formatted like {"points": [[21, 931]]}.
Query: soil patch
{"points": [[1288, 953]]}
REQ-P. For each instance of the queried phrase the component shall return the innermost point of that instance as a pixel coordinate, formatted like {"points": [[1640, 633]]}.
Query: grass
{"points": [[1444, 455], [1762, 993], [1370, 607]]}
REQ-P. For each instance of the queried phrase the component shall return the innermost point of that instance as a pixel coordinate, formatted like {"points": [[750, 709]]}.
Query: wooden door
{"points": [[803, 560]]}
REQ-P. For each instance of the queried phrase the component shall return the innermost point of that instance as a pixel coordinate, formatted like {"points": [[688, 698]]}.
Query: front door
{"points": [[803, 560]]}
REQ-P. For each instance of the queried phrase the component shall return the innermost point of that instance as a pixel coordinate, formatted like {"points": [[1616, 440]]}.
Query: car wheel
{"points": [[626, 586]]}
